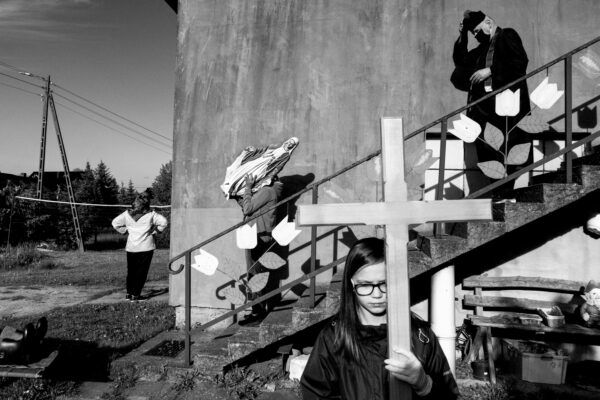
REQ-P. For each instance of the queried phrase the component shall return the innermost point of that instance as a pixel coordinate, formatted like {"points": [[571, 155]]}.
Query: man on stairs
{"points": [[498, 59]]}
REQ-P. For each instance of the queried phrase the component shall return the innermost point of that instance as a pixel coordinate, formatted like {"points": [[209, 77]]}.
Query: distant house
{"points": [[20, 179], [52, 179]]}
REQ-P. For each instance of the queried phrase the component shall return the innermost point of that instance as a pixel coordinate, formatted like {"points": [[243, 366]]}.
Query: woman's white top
{"points": [[141, 232]]}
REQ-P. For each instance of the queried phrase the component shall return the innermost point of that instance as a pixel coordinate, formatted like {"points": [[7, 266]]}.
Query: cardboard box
{"points": [[534, 361]]}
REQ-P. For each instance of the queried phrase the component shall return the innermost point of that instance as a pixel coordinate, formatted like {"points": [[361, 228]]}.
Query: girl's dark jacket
{"points": [[328, 375]]}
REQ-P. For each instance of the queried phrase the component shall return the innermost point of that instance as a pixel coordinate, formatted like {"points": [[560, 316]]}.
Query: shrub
{"points": [[21, 256]]}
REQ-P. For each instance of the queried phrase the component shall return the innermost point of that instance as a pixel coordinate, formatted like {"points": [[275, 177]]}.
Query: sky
{"points": [[118, 54]]}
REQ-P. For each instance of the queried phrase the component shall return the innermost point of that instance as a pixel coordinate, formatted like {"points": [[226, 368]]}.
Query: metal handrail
{"points": [[378, 152], [275, 292], [503, 88], [567, 57], [287, 199]]}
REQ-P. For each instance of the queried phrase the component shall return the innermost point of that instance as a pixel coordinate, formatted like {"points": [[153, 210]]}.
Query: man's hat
{"points": [[471, 19]]}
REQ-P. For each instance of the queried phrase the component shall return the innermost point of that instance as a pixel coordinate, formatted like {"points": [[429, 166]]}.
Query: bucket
{"points": [[481, 370]]}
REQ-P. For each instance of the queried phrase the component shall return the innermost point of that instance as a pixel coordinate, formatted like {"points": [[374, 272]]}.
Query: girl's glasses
{"points": [[365, 289]]}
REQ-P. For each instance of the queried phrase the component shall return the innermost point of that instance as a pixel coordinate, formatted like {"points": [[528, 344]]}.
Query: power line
{"points": [[21, 71], [21, 80], [111, 128], [6, 65], [21, 89], [82, 204], [111, 112], [112, 120]]}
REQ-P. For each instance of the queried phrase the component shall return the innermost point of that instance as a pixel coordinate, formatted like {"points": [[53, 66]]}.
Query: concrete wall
{"points": [[252, 72]]}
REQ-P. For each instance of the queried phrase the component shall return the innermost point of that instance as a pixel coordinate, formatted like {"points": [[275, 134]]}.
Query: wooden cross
{"points": [[395, 213]]}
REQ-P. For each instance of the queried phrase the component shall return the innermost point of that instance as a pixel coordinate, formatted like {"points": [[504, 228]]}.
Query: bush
{"points": [[21, 256]]}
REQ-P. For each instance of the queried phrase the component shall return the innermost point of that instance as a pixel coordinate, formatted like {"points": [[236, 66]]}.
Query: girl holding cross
{"points": [[349, 358]]}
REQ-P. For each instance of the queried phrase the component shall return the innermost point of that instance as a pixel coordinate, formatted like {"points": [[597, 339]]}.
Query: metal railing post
{"points": [[188, 308], [439, 193], [335, 249], [313, 250], [569, 116]]}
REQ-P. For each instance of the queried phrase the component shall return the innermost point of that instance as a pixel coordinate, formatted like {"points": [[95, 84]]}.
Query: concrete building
{"points": [[257, 72]]}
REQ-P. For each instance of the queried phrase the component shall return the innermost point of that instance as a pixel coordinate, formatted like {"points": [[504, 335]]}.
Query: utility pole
{"points": [[43, 139], [49, 103], [63, 154]]}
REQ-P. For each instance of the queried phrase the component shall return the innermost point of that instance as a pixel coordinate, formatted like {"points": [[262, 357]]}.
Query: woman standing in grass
{"points": [[350, 357], [141, 224]]}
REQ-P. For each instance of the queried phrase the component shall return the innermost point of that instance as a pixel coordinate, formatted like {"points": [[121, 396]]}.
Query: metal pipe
{"points": [[287, 199], [267, 296], [442, 312], [569, 115], [188, 308], [313, 250], [439, 193]]}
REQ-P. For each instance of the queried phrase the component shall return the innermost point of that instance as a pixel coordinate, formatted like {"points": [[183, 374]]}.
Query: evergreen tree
{"points": [[107, 188], [107, 192], [85, 192], [122, 193], [162, 184], [162, 195], [130, 193], [84, 188]]}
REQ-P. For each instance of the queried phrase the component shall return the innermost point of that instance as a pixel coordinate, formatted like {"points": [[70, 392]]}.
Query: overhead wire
{"points": [[21, 89], [111, 128], [23, 72], [111, 112], [111, 119], [21, 80], [7, 65]]}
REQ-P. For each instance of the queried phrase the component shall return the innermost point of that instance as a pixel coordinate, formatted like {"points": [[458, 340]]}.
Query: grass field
{"points": [[89, 336], [91, 268]]}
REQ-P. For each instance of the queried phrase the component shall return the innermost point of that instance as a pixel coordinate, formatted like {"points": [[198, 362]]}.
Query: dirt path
{"points": [[19, 301]]}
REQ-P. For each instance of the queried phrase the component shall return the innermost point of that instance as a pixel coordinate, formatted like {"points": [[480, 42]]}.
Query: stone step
{"points": [[593, 158], [476, 232], [517, 214], [443, 248], [553, 195], [586, 175]]}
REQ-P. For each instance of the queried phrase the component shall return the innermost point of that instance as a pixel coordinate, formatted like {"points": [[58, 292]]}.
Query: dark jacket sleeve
{"points": [[436, 366], [320, 379], [464, 63], [250, 203], [510, 61]]}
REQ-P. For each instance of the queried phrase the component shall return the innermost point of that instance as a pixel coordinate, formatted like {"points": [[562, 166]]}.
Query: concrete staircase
{"points": [[292, 321]]}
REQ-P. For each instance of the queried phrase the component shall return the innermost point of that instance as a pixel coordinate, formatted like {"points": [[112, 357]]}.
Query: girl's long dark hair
{"points": [[368, 251]]}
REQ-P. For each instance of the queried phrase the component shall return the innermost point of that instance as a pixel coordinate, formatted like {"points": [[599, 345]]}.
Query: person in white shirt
{"points": [[141, 224]]}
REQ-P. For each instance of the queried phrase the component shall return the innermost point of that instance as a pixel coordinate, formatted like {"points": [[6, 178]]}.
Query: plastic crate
{"points": [[539, 368]]}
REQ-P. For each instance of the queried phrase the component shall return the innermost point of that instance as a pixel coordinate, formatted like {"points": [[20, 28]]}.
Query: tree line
{"points": [[29, 221]]}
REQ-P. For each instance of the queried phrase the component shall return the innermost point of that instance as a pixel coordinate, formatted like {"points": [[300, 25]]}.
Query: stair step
{"points": [[418, 263], [278, 324], [517, 214], [586, 175], [553, 195], [477, 232], [443, 248], [588, 159]]}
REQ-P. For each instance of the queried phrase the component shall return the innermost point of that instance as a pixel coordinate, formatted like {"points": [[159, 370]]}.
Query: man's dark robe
{"points": [[509, 62]]}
